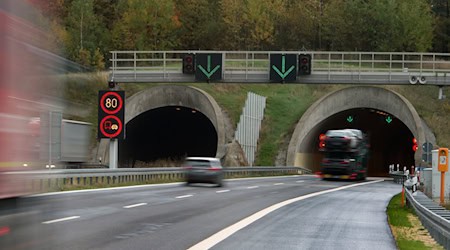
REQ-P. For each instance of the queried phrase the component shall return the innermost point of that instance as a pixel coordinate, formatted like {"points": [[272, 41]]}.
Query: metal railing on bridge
{"points": [[254, 67]]}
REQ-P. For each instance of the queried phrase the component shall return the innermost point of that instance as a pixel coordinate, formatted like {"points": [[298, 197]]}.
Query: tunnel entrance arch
{"points": [[368, 108], [169, 122]]}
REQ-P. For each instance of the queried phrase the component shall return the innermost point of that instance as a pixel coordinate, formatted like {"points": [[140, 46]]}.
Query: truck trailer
{"points": [[345, 154]]}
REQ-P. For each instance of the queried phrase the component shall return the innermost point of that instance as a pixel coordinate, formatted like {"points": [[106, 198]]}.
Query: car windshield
{"points": [[198, 163]]}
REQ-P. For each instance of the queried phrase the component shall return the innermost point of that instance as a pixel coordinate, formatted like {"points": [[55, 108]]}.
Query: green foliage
{"points": [[398, 215], [146, 25], [385, 25], [98, 61]]}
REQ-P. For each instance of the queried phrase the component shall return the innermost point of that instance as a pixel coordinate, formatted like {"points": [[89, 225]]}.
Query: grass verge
{"points": [[407, 228]]}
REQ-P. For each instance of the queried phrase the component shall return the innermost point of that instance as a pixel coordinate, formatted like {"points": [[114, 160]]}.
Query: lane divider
{"points": [[227, 232], [61, 220], [184, 196], [223, 191], [135, 205]]}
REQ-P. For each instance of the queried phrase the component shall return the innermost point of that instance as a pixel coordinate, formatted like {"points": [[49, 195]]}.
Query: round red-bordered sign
{"points": [[102, 128], [119, 102]]}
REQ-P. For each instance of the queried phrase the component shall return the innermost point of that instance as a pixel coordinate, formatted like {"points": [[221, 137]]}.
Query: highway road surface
{"points": [[295, 212]]}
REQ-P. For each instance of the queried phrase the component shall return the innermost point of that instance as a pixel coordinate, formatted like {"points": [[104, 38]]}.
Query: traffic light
{"points": [[414, 147], [322, 138], [189, 64], [304, 64], [111, 84]]}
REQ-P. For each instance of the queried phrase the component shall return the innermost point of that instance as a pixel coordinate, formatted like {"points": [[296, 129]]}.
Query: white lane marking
{"points": [[278, 184], [223, 191], [184, 196], [60, 220], [135, 205], [300, 181], [252, 187], [227, 232]]}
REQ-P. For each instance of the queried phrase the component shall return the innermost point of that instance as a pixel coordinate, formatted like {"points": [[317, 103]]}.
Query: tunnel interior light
{"points": [[177, 108], [194, 111]]}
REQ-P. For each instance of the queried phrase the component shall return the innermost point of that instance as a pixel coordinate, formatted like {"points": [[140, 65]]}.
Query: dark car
{"points": [[203, 170]]}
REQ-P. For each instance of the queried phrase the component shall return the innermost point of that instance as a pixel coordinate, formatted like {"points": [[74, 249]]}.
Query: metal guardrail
{"points": [[434, 217], [436, 222], [56, 179], [254, 67]]}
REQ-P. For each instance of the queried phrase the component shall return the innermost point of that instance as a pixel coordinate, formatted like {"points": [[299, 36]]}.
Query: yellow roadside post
{"points": [[442, 167]]}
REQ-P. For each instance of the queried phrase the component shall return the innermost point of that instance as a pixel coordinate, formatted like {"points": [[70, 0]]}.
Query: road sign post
{"points": [[443, 168]]}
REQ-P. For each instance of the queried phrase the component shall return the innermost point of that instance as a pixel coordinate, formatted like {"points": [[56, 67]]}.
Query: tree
{"points": [[384, 25], [84, 30], [233, 19], [146, 25], [196, 21]]}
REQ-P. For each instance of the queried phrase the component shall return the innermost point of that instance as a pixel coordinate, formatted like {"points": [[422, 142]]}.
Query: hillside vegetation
{"points": [[285, 106]]}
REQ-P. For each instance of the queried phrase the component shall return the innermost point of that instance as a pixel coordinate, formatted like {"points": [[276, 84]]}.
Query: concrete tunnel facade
{"points": [[158, 105], [155, 117], [369, 104]]}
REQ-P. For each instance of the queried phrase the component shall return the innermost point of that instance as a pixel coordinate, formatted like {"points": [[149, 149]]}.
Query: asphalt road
{"points": [[175, 216]]}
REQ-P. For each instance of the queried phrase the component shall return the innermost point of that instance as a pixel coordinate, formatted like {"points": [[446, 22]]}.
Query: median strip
{"points": [[61, 220]]}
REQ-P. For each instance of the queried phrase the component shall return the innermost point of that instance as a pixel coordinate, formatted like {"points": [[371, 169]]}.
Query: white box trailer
{"points": [[75, 141]]}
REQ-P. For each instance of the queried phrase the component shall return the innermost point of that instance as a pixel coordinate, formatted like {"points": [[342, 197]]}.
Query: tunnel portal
{"points": [[168, 132]]}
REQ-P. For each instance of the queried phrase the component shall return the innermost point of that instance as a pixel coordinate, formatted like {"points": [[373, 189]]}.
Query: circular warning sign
{"points": [[111, 126], [111, 102]]}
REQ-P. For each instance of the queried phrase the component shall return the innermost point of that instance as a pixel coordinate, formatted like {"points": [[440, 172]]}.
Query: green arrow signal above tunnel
{"points": [[283, 73], [283, 67], [208, 72], [209, 67]]}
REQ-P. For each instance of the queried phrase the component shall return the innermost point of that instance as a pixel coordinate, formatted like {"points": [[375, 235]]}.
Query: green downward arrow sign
{"points": [[388, 119], [208, 72], [283, 73]]}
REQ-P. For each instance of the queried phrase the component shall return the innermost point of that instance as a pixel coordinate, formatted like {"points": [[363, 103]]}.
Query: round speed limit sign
{"points": [[111, 102]]}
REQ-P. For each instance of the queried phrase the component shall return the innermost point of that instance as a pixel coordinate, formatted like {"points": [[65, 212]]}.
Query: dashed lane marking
{"points": [[135, 205], [61, 220], [184, 196]]}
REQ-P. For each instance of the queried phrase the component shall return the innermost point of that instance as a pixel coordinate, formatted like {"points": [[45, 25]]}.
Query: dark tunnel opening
{"points": [[171, 132], [391, 142]]}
